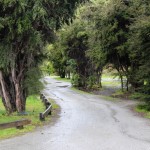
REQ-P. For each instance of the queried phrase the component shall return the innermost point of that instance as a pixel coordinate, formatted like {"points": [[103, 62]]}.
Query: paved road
{"points": [[86, 122]]}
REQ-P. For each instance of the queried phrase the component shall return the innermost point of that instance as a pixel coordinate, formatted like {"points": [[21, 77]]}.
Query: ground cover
{"points": [[33, 107]]}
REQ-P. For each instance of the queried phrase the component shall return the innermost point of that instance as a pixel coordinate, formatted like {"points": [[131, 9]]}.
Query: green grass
{"points": [[109, 98], [120, 94], [61, 79], [80, 91], [139, 96], [142, 108], [33, 107], [110, 81], [54, 105]]}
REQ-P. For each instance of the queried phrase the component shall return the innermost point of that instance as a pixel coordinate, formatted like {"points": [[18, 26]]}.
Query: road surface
{"points": [[86, 122]]}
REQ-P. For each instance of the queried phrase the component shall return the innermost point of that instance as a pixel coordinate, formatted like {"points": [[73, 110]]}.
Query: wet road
{"points": [[86, 122]]}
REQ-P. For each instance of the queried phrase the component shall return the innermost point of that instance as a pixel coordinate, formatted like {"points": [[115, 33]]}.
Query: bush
{"points": [[75, 81], [91, 82]]}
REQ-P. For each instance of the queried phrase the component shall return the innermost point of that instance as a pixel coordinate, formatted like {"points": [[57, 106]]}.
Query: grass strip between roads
{"points": [[33, 107]]}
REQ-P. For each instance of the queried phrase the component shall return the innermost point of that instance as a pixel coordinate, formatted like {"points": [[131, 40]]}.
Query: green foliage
{"points": [[32, 82], [140, 50], [114, 33], [55, 56], [75, 81], [47, 68], [91, 82], [71, 47], [4, 57], [144, 109], [25, 29]]}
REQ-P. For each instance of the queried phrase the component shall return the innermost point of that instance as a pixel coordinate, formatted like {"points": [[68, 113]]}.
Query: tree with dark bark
{"points": [[25, 28]]}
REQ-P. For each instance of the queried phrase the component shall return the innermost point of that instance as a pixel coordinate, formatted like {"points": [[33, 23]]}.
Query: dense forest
{"points": [[106, 34]]}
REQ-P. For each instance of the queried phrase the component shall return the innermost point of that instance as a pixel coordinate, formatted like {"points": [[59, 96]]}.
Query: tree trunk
{"points": [[19, 91], [127, 85], [121, 83], [18, 98], [68, 74], [121, 78], [5, 94], [99, 77], [3, 100], [11, 84]]}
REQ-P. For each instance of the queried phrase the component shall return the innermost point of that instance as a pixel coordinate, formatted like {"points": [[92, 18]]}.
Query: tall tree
{"points": [[139, 43], [25, 27], [73, 40], [111, 20]]}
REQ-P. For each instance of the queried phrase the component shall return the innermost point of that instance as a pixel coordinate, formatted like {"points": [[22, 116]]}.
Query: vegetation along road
{"points": [[86, 122]]}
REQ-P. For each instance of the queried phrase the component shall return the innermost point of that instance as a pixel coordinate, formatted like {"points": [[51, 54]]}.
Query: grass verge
{"points": [[109, 98], [142, 109], [33, 107], [61, 79], [80, 91]]}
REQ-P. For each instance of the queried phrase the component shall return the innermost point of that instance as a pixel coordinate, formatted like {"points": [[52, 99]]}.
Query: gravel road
{"points": [[86, 122]]}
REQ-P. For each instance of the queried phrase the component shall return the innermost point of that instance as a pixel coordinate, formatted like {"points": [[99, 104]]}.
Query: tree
{"points": [[111, 20], [139, 43], [95, 52], [56, 57], [25, 27], [73, 43]]}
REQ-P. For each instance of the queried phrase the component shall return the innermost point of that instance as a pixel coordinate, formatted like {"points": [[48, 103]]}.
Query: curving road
{"points": [[86, 122]]}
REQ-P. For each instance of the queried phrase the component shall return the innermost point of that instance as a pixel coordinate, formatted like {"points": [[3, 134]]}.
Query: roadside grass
{"points": [[110, 81], [121, 94], [142, 109], [109, 98], [33, 107], [80, 91], [61, 79], [139, 96], [54, 105], [107, 80]]}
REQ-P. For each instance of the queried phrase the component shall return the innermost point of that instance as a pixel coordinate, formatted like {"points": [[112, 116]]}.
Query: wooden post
{"points": [[41, 117], [48, 110], [19, 127], [18, 124]]}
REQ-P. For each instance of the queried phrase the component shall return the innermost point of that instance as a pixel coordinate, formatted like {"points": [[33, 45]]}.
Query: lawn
{"points": [[110, 81], [33, 107]]}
